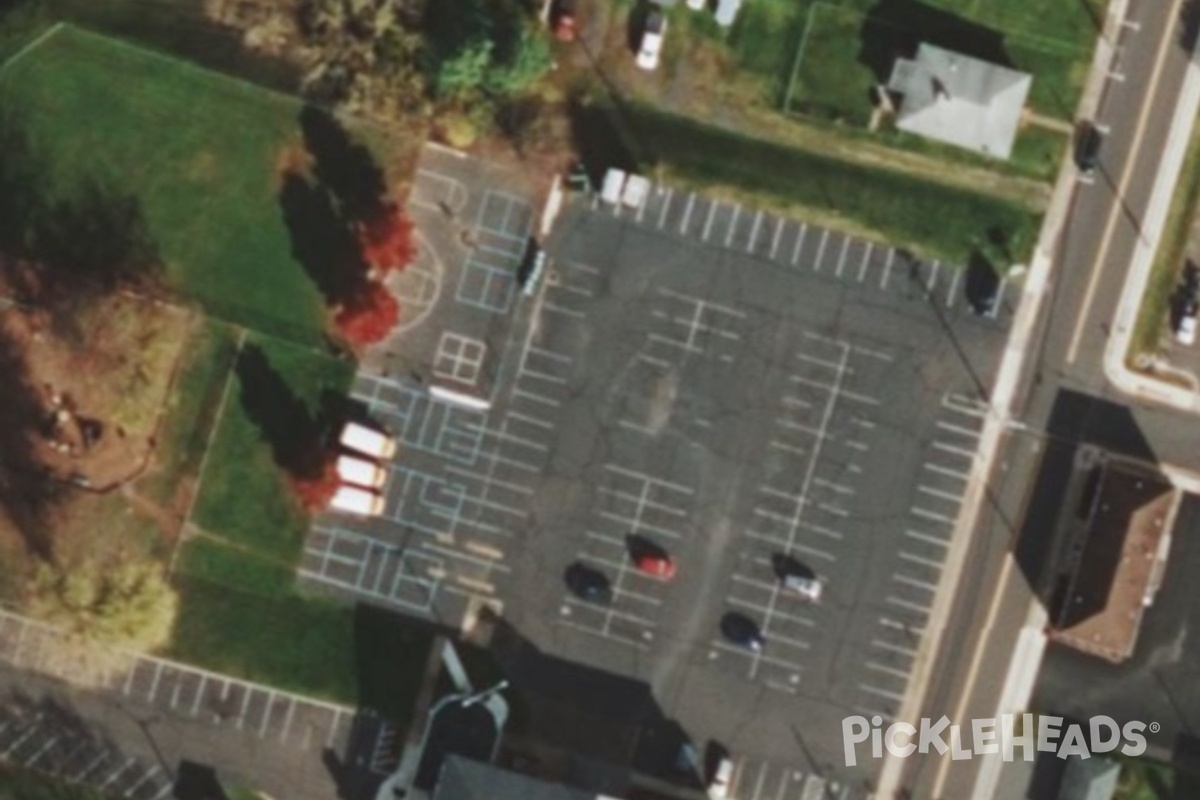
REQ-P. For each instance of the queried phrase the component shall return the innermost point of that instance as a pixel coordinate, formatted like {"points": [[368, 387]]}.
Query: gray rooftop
{"points": [[1090, 779], [960, 100], [464, 779]]}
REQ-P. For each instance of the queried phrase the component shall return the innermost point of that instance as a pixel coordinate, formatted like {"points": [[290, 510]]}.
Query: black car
{"points": [[742, 631], [1087, 148], [589, 583]]}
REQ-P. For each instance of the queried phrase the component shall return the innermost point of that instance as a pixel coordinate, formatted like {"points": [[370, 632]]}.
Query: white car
{"points": [[727, 11], [360, 472], [367, 441], [718, 787], [353, 500], [652, 41], [806, 587], [697, 5], [1185, 332]]}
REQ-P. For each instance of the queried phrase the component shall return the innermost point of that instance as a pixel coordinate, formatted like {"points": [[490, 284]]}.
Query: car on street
{"points": [[367, 441], [1087, 147], [656, 564], [742, 631], [589, 584], [653, 34], [806, 586], [358, 501], [722, 777], [360, 472], [564, 19]]}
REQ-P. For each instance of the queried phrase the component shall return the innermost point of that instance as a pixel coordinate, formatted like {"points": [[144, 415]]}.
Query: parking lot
{"points": [[732, 388]]}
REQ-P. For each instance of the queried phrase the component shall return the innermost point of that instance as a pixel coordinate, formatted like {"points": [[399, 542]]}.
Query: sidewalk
{"points": [[1028, 650]]}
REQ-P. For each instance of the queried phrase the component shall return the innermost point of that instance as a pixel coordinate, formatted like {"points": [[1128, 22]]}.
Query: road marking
{"points": [[799, 242], [862, 268], [737, 210], [837, 273], [754, 231], [662, 219], [913, 582], [712, 209], [687, 213], [925, 562], [933, 515], [955, 275], [929, 490], [887, 268], [881, 692], [911, 606], [894, 648], [1122, 188], [899, 673], [821, 250], [779, 223]]}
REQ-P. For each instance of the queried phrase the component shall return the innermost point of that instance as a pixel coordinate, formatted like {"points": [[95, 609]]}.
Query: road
{"points": [[1065, 399]]}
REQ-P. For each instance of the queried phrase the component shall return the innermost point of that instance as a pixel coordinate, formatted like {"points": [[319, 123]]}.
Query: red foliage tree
{"points": [[387, 240], [315, 491], [369, 316]]}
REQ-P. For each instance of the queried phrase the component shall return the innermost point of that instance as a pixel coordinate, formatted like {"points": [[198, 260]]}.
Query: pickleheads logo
{"points": [[1044, 734]]}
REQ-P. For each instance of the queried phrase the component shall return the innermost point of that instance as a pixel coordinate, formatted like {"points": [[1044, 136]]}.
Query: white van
{"points": [[368, 441], [360, 472], [354, 500]]}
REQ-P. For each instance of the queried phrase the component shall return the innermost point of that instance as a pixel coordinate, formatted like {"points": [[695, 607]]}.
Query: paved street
{"points": [[729, 386]]}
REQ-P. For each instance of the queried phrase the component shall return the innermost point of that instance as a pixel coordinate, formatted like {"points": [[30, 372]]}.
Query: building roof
{"points": [[464, 779], [1128, 527], [960, 100], [1090, 779]]}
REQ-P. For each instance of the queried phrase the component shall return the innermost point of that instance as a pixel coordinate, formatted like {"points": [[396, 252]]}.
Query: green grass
{"points": [[1168, 259], [191, 410], [197, 151], [244, 497], [23, 784], [829, 81], [21, 23], [932, 219], [1146, 780]]}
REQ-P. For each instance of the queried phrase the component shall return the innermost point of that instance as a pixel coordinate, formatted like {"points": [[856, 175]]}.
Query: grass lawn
{"points": [[23, 784], [199, 153], [245, 499], [835, 53], [931, 219], [1153, 315]]}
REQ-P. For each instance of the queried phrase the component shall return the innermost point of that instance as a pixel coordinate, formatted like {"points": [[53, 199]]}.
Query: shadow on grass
{"points": [[894, 28], [194, 781], [344, 167], [294, 435], [321, 240]]}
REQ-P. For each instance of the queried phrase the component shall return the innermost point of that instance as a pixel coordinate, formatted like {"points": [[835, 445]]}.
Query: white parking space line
{"points": [[841, 262], [775, 614], [754, 231], [995, 310], [913, 582], [787, 448], [933, 515], [800, 234], [117, 773], [972, 433], [862, 268], [662, 218], [916, 559], [821, 250], [555, 308], [949, 448], [779, 223], [932, 277], [650, 479], [943, 495], [881, 692], [616, 637], [802, 548], [925, 537], [150, 773], [894, 648], [765, 658], [898, 673], [887, 268], [950, 290], [687, 213], [946, 471], [911, 606], [737, 210], [536, 398], [712, 209]]}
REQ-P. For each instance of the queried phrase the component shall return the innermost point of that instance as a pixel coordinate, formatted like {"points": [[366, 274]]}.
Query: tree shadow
{"points": [[321, 240], [344, 167], [194, 781], [894, 29], [1189, 25], [280, 415], [28, 493]]}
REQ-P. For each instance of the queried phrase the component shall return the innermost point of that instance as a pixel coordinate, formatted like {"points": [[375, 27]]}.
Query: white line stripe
{"points": [[881, 692], [842, 258], [821, 250], [924, 537], [933, 515], [779, 223], [862, 268], [913, 582], [800, 234], [926, 562], [887, 268], [662, 219], [687, 213], [754, 231], [737, 210]]}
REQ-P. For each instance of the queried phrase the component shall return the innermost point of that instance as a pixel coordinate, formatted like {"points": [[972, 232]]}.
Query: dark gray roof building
{"points": [[464, 779]]}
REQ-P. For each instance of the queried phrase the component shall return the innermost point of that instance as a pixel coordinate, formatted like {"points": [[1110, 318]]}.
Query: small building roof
{"points": [[464, 779], [960, 100], [1130, 522], [1090, 779]]}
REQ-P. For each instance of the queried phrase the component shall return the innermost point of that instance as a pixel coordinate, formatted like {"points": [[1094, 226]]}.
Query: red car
{"points": [[564, 20], [659, 566]]}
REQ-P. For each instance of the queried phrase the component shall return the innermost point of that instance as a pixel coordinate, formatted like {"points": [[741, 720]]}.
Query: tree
{"points": [[387, 239], [531, 59], [131, 605], [315, 491], [369, 316], [467, 69]]}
